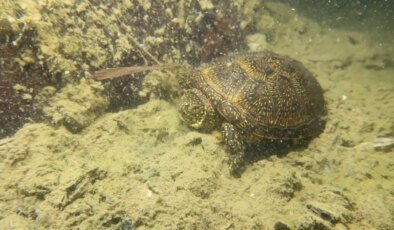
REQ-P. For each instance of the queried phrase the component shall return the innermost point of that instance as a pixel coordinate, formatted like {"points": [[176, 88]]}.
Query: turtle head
{"points": [[197, 111]]}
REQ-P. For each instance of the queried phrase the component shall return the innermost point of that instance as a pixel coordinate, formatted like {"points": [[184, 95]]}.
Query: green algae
{"points": [[143, 168]]}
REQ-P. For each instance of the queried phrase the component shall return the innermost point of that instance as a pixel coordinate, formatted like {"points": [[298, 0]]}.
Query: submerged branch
{"points": [[112, 73]]}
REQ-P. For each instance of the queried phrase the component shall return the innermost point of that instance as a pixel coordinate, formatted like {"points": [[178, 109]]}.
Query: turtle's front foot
{"points": [[235, 149]]}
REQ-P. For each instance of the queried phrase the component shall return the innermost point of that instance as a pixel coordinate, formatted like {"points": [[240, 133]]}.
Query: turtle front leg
{"points": [[235, 148]]}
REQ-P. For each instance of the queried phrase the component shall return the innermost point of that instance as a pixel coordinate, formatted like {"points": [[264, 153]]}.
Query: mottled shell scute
{"points": [[266, 94]]}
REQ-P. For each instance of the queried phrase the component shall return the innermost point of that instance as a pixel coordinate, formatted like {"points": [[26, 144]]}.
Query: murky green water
{"points": [[114, 154]]}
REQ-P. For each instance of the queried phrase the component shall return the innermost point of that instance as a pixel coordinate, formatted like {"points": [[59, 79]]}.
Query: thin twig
{"points": [[145, 50], [112, 73], [142, 48]]}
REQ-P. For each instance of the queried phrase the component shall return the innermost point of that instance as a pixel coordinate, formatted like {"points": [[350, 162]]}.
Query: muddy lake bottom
{"points": [[143, 168]]}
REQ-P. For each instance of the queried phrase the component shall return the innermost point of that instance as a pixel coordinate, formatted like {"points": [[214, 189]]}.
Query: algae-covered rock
{"points": [[57, 42], [77, 106], [285, 185]]}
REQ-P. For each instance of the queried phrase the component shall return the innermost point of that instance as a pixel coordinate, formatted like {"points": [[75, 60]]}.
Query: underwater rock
{"points": [[37, 139], [311, 223], [257, 42], [76, 188], [281, 226], [385, 144], [331, 206], [159, 85], [203, 187], [285, 185], [117, 220], [77, 106], [57, 43]]}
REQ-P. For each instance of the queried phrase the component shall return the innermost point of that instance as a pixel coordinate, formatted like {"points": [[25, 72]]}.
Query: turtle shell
{"points": [[264, 94]]}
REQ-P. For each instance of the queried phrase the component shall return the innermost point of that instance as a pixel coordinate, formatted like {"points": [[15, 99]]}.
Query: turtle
{"points": [[251, 97], [254, 97]]}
